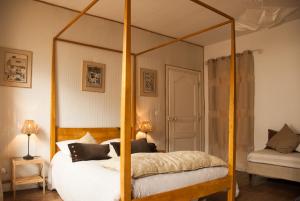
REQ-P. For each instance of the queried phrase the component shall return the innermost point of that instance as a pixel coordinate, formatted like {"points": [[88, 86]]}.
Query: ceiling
{"points": [[178, 17]]}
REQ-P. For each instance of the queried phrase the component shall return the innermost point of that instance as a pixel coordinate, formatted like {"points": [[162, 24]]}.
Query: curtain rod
{"points": [[258, 51]]}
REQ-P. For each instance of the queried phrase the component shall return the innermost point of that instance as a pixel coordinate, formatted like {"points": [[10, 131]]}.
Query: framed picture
{"points": [[15, 67], [148, 82], [93, 77]]}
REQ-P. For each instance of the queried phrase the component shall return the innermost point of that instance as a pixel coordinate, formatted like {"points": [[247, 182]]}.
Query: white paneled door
{"points": [[183, 109]]}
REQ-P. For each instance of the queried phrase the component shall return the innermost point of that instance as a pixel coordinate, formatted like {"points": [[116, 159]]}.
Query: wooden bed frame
{"points": [[128, 111]]}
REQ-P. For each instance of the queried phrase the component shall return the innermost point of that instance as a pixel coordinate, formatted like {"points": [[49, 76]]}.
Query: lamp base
{"points": [[28, 157]]}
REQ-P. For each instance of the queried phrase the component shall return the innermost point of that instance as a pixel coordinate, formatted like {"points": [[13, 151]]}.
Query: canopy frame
{"points": [[128, 120]]}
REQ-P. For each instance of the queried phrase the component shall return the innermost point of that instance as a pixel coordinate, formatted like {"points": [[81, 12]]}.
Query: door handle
{"points": [[172, 118]]}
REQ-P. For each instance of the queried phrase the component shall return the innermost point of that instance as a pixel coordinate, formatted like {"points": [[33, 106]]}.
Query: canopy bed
{"points": [[184, 193]]}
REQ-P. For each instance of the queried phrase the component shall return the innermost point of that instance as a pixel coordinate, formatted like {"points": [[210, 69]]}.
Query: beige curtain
{"points": [[218, 90], [1, 191]]}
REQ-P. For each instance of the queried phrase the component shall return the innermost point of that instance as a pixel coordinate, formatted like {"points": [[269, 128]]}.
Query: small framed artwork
{"points": [[148, 82], [15, 67], [93, 77]]}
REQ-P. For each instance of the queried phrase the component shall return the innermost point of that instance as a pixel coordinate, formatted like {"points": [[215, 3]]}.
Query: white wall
{"points": [[30, 25], [77, 108], [277, 77], [154, 108]]}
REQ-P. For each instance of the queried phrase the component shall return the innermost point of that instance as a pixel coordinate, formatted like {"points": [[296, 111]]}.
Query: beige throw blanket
{"points": [[146, 164]]}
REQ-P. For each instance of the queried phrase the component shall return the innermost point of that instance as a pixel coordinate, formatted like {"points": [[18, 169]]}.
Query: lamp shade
{"points": [[146, 126], [29, 127]]}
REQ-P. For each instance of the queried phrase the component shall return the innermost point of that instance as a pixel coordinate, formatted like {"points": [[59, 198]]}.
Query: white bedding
{"points": [[89, 181], [269, 156]]}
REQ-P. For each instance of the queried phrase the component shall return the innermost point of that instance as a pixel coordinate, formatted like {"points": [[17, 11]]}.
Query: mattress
{"points": [[269, 156], [88, 180]]}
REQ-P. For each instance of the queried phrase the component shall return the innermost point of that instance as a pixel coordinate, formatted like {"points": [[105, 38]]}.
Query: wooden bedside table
{"points": [[30, 179]]}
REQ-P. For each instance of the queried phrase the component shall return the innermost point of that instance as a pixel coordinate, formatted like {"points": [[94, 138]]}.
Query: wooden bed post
{"points": [[53, 101], [125, 169], [53, 79], [133, 132], [231, 134]]}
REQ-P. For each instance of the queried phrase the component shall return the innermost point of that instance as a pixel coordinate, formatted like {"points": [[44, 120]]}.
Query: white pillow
{"points": [[298, 148], [63, 145], [112, 153], [87, 139]]}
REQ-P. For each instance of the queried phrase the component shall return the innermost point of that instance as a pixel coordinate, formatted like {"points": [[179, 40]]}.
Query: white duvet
{"points": [[89, 181]]}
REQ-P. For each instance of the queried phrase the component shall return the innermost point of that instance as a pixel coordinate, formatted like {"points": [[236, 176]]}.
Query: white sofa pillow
{"points": [[63, 145], [112, 153], [298, 148]]}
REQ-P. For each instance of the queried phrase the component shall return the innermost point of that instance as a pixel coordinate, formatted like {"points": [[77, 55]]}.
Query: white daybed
{"points": [[273, 164]]}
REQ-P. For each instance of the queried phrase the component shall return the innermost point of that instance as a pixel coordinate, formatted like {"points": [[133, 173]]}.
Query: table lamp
{"points": [[29, 127], [146, 127]]}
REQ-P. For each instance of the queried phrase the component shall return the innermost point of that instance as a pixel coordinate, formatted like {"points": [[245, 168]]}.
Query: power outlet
{"points": [[3, 171]]}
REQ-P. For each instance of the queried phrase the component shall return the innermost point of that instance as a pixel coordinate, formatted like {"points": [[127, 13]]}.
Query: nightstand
{"points": [[30, 179]]}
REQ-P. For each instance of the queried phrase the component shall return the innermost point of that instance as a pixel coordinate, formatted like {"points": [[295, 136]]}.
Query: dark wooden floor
{"points": [[33, 195], [260, 190]]}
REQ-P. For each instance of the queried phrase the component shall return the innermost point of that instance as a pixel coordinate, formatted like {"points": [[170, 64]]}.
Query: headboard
{"points": [[100, 134]]}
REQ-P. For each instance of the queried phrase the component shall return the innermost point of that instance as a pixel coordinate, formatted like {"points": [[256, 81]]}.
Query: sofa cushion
{"points": [[273, 157], [285, 141]]}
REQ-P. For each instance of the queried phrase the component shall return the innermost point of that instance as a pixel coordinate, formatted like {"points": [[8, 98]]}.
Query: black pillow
{"points": [[271, 133], [137, 146], [86, 152], [116, 146], [140, 145], [152, 147]]}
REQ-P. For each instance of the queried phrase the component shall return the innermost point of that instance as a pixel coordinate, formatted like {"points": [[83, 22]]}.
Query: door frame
{"points": [[201, 104]]}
